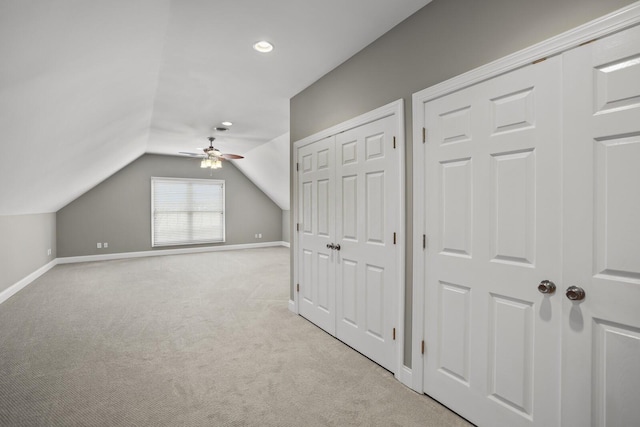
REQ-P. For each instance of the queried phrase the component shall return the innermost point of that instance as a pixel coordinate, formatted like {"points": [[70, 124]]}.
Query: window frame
{"points": [[221, 182]]}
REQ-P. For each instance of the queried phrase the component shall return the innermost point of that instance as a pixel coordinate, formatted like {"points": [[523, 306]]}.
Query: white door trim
{"points": [[396, 109], [608, 24]]}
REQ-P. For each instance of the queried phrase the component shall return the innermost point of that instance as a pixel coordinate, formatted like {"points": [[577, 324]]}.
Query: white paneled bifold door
{"points": [[601, 333], [530, 206], [348, 202], [492, 162], [316, 231]]}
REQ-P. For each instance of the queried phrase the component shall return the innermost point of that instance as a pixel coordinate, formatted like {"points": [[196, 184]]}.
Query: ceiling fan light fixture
{"points": [[212, 157], [263, 46], [211, 163]]}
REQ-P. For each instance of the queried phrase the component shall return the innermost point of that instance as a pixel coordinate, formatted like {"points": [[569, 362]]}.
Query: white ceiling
{"points": [[86, 87], [267, 166]]}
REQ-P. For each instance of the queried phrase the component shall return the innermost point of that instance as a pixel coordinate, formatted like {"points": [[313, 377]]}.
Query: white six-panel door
{"points": [[316, 200], [349, 198], [493, 210], [366, 186], [601, 333]]}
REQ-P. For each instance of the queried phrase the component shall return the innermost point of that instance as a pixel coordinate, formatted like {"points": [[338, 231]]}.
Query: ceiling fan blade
{"points": [[231, 156], [189, 154]]}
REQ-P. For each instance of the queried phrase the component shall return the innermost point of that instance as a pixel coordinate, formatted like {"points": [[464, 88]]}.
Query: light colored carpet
{"points": [[188, 340]]}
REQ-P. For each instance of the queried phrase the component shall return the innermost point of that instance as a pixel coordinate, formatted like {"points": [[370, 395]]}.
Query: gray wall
{"points": [[444, 39], [286, 218], [25, 240], [118, 210]]}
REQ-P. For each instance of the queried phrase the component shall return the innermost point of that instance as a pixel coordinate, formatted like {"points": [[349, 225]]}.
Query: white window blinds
{"points": [[186, 211]]}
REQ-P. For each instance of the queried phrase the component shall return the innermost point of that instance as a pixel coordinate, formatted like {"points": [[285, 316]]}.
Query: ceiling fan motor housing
{"points": [[212, 152]]}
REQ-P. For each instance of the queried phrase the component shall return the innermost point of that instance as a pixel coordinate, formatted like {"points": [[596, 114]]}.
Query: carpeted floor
{"points": [[187, 340]]}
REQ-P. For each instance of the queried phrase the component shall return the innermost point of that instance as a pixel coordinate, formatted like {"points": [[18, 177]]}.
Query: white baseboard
{"points": [[16, 287], [160, 252], [21, 284], [405, 376], [292, 306], [286, 244]]}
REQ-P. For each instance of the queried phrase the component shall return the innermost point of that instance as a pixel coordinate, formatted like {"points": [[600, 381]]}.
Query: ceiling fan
{"points": [[212, 157]]}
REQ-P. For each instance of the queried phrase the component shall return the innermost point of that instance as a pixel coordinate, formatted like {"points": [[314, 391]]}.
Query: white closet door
{"points": [[601, 335], [316, 207], [493, 210], [366, 204]]}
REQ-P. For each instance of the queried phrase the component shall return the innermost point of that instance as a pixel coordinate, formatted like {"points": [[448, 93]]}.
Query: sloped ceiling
{"points": [[86, 87], [267, 166]]}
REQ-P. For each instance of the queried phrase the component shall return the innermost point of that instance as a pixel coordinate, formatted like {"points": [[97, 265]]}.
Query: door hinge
{"points": [[424, 135], [422, 347], [297, 166], [297, 287], [424, 241], [394, 142], [298, 226], [394, 237], [394, 334]]}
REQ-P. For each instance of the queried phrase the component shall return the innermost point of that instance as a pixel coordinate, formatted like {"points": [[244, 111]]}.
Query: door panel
{"points": [[513, 207], [616, 374], [454, 331], [601, 335], [456, 207], [316, 266], [511, 353], [374, 208], [492, 208], [366, 262], [349, 204], [349, 302]]}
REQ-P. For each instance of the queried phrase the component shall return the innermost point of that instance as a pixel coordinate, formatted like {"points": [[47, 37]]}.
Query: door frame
{"points": [[395, 109], [601, 27]]}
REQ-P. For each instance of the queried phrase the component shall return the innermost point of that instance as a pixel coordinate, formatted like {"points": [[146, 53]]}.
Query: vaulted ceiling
{"points": [[86, 87]]}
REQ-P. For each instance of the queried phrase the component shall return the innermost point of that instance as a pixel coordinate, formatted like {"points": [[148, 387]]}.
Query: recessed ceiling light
{"points": [[227, 123], [263, 46]]}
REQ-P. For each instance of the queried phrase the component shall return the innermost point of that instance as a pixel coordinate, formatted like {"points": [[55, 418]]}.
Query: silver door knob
{"points": [[330, 246], [337, 246], [547, 287], [575, 293]]}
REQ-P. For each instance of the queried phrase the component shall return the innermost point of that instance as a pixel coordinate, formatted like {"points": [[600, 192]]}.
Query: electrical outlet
{"points": [[255, 235], [105, 245], [99, 245], [49, 251], [259, 235]]}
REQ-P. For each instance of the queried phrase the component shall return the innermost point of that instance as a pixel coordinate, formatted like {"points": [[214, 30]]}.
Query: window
{"points": [[186, 211]]}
